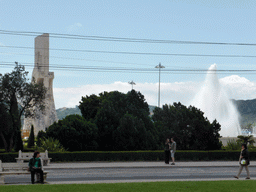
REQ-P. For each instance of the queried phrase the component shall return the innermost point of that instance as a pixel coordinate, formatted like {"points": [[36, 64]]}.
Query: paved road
{"points": [[136, 172]]}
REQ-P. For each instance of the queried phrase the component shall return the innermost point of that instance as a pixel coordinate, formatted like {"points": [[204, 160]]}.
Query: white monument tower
{"points": [[41, 74]]}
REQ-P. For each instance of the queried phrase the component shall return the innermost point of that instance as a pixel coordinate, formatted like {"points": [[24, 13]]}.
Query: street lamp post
{"points": [[159, 66], [132, 83]]}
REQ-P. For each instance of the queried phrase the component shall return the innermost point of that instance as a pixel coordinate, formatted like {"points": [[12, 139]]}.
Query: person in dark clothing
{"points": [[167, 151], [35, 166], [244, 162]]}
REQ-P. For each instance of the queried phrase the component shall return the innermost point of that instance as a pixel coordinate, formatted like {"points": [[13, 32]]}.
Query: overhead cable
{"points": [[124, 69], [137, 53], [120, 39]]}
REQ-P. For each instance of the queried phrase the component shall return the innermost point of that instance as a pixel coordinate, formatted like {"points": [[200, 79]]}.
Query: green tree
{"points": [[74, 133], [18, 97], [107, 119], [188, 126], [31, 139], [16, 123], [5, 125], [89, 106], [117, 113], [247, 139], [40, 136], [136, 104], [130, 134]]}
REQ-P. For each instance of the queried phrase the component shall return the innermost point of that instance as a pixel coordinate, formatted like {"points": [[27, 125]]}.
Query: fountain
{"points": [[213, 100]]}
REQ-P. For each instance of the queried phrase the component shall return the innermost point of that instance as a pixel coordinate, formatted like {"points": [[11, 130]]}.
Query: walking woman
{"points": [[167, 151], [244, 161], [35, 166]]}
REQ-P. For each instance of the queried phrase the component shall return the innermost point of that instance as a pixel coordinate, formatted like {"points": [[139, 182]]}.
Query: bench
{"points": [[15, 169], [27, 156]]}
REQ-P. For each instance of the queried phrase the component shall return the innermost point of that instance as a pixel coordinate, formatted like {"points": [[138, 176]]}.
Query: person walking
{"points": [[244, 162], [35, 166], [167, 151], [173, 150]]}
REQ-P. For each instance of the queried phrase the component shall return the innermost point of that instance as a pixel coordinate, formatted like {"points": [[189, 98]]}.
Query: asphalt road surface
{"points": [[96, 175]]}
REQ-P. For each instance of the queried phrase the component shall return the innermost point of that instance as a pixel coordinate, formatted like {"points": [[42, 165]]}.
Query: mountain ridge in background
{"points": [[247, 111]]}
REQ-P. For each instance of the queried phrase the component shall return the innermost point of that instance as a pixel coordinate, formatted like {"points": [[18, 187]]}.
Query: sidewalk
{"points": [[136, 164], [156, 164], [142, 164]]}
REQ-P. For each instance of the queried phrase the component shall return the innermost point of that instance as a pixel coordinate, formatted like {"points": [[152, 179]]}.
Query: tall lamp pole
{"points": [[132, 83], [159, 66]]}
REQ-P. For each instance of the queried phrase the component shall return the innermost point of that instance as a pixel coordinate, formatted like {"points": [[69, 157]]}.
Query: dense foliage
{"points": [[111, 121], [235, 144], [50, 144], [188, 126], [115, 121], [31, 139], [40, 136], [17, 97], [122, 121], [74, 133]]}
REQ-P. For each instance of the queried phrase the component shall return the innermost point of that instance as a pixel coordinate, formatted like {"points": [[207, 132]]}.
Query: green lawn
{"points": [[179, 186]]}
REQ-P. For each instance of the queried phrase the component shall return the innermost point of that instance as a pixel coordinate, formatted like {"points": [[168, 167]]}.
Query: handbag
{"points": [[243, 162]]}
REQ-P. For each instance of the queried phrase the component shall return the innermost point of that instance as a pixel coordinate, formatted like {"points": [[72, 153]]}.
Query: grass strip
{"points": [[177, 186]]}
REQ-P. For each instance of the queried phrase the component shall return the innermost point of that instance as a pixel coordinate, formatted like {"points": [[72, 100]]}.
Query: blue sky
{"points": [[196, 21]]}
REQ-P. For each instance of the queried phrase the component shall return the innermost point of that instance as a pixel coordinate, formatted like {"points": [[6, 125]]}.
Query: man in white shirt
{"points": [[173, 150]]}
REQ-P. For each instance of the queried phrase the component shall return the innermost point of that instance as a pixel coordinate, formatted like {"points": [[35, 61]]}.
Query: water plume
{"points": [[213, 100]]}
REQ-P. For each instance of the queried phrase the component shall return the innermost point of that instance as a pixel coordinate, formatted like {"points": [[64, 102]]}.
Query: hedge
{"points": [[136, 156]]}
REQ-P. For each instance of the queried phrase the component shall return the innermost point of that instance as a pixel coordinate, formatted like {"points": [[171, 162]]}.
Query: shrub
{"points": [[31, 139], [51, 145], [40, 135], [232, 144]]}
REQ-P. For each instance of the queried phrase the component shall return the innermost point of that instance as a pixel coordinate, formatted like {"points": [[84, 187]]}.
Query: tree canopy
{"points": [[17, 97], [115, 121], [31, 139], [188, 126], [74, 133], [120, 119]]}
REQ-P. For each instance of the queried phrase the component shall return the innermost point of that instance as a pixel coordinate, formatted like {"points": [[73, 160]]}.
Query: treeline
{"points": [[114, 121]]}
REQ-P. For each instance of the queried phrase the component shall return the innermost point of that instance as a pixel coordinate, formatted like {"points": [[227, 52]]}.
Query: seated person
{"points": [[35, 166]]}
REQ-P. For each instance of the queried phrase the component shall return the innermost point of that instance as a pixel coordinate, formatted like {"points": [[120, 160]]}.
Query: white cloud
{"points": [[239, 87], [170, 92], [184, 92], [74, 27]]}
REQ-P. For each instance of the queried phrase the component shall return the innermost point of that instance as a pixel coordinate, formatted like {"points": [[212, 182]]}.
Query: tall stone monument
{"points": [[41, 74]]}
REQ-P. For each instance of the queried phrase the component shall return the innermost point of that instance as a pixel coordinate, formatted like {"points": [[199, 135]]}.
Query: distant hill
{"points": [[63, 112], [246, 108]]}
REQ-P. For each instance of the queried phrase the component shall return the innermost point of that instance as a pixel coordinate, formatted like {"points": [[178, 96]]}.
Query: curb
{"points": [[127, 167]]}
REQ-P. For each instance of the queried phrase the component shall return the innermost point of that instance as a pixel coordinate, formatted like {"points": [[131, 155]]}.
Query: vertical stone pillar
{"points": [[41, 74]]}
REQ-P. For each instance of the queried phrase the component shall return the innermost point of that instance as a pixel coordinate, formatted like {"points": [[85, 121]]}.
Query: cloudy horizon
{"points": [[237, 87]]}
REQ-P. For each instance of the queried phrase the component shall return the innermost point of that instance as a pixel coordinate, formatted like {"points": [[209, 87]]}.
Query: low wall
{"points": [[224, 140]]}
